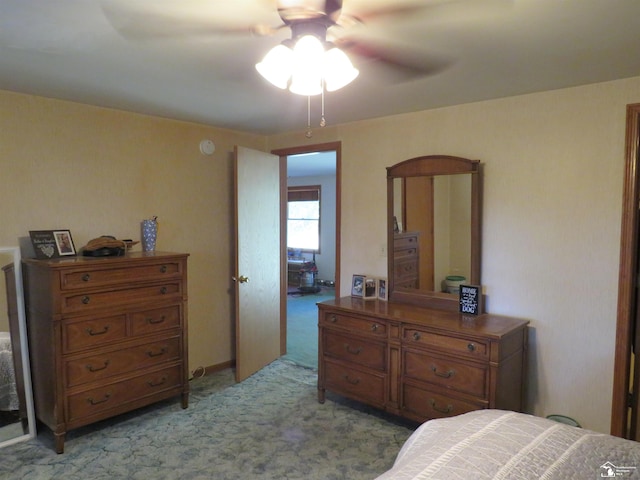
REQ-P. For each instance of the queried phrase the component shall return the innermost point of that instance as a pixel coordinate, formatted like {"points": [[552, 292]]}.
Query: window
{"points": [[303, 218]]}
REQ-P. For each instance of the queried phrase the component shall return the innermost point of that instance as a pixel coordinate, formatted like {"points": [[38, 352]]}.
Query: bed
{"points": [[497, 444]]}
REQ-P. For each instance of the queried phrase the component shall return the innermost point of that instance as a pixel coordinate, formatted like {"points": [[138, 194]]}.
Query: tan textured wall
{"points": [[552, 204], [96, 171], [553, 164]]}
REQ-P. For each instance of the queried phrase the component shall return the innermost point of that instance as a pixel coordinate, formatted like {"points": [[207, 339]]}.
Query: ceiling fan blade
{"points": [[397, 11], [402, 61], [144, 20], [347, 19]]}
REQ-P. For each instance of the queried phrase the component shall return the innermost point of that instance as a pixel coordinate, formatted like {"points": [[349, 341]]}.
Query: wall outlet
{"points": [[383, 250]]}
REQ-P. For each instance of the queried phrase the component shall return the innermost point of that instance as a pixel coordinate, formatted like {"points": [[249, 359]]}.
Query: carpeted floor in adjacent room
{"points": [[269, 426], [302, 325]]}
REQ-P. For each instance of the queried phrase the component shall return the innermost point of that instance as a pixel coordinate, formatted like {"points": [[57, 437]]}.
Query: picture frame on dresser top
{"points": [[52, 243], [471, 299], [370, 290], [357, 286], [382, 289]]}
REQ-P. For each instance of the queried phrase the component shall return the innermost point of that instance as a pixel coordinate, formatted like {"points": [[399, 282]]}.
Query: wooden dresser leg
{"points": [[59, 441], [185, 400], [321, 395]]}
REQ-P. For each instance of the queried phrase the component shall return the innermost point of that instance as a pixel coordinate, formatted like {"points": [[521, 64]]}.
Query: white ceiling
{"points": [[308, 164], [181, 67]]}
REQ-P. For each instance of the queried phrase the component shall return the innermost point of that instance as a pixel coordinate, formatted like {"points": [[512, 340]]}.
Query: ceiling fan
{"points": [[148, 20]]}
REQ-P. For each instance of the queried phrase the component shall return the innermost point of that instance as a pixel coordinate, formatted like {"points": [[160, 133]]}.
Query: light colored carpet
{"points": [[268, 427]]}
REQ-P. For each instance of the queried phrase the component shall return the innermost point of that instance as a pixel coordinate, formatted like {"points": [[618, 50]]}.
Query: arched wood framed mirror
{"points": [[434, 229]]}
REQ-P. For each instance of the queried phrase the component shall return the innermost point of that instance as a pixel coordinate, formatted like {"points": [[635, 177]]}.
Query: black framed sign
{"points": [[470, 299], [52, 243]]}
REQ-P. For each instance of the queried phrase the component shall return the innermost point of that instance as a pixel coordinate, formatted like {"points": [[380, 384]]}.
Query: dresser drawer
{"points": [[455, 345], [93, 332], [362, 325], [404, 283], [156, 320], [404, 242], [445, 372], [354, 349], [94, 277], [96, 367], [99, 299], [355, 382], [410, 253], [405, 269], [423, 404], [114, 396]]}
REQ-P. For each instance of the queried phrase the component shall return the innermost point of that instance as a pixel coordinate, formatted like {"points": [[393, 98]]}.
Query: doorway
{"points": [[312, 274], [625, 410]]}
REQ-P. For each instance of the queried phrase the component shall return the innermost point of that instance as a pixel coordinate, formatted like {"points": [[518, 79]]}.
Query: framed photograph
{"points": [[52, 243], [370, 288], [471, 299], [382, 289], [357, 286], [64, 242]]}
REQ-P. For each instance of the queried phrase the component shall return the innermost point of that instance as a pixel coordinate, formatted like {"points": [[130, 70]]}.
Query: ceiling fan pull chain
{"points": [[323, 122], [308, 134]]}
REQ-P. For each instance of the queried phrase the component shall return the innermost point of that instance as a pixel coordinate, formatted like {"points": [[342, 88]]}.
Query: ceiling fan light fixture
{"points": [[307, 68], [276, 66], [338, 69]]}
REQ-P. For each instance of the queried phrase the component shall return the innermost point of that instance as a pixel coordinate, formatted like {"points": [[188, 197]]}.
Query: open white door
{"points": [[257, 273]]}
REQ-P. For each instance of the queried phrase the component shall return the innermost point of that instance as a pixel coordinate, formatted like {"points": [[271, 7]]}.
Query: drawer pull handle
{"points": [[354, 381], [86, 299], [374, 327], [163, 290], [471, 347], [158, 383], [154, 321], [163, 269], [86, 277], [448, 374], [91, 368], [333, 319], [416, 336], [94, 333], [107, 396], [353, 351], [446, 410], [162, 351]]}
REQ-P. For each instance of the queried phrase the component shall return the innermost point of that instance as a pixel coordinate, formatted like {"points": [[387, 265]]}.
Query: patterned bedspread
{"points": [[496, 444]]}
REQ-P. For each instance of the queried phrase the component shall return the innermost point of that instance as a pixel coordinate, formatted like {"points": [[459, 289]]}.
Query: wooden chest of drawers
{"points": [[106, 335], [420, 363], [406, 264]]}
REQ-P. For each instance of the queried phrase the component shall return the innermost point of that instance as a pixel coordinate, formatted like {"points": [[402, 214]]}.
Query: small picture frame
{"points": [[382, 289], [470, 299], [52, 243], [64, 243], [357, 286], [370, 288]]}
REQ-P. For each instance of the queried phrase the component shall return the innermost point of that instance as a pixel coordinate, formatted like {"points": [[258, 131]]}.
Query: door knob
{"points": [[241, 279]]}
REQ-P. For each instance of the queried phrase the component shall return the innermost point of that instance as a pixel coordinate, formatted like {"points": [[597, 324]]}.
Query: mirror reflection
{"points": [[435, 211], [16, 407]]}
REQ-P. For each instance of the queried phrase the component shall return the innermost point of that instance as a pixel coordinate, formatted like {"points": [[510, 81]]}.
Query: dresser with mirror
{"points": [[416, 355]]}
